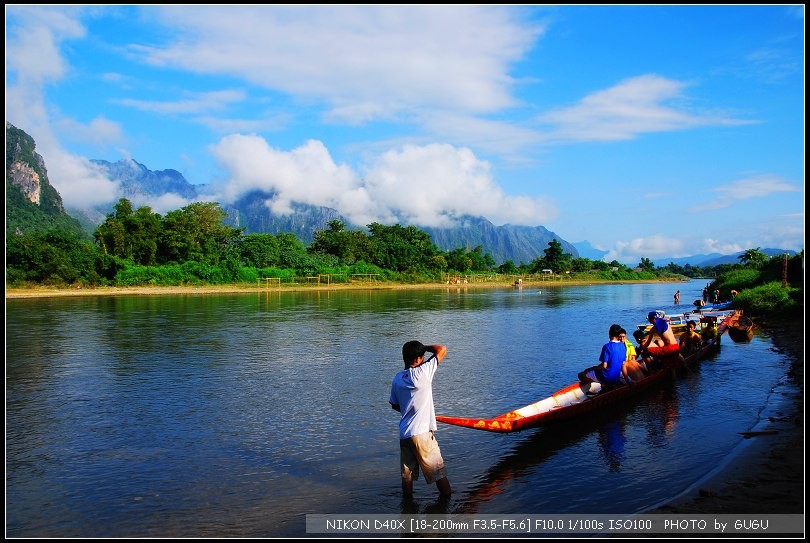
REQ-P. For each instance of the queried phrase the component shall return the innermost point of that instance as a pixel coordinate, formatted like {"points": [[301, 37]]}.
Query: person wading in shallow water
{"points": [[412, 396]]}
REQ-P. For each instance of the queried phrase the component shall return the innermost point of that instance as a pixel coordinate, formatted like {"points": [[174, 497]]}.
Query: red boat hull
{"points": [[573, 401]]}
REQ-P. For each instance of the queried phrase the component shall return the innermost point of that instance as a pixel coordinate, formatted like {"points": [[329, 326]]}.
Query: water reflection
{"points": [[609, 426], [611, 443]]}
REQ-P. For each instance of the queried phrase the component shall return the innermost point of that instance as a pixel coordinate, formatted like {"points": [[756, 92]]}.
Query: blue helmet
{"points": [[652, 314]]}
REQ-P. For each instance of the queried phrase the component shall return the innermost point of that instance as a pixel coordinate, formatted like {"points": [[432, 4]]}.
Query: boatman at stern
{"points": [[660, 327], [412, 397]]}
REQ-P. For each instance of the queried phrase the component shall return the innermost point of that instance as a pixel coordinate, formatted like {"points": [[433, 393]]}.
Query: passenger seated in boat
{"points": [[631, 369], [709, 331], [690, 340], [609, 371], [655, 355], [638, 335]]}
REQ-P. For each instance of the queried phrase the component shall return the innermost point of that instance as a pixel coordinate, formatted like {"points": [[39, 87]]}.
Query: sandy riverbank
{"points": [[44, 292], [764, 475]]}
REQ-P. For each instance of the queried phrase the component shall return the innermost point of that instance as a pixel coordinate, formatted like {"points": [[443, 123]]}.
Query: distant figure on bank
{"points": [[412, 396]]}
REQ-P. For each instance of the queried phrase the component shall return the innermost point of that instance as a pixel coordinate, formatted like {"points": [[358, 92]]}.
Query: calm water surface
{"points": [[236, 415]]}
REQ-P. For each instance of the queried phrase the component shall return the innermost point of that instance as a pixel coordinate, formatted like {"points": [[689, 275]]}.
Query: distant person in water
{"points": [[412, 397], [611, 360], [677, 297]]}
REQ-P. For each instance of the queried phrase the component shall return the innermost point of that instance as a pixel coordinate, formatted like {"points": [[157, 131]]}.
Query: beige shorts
{"points": [[421, 451]]}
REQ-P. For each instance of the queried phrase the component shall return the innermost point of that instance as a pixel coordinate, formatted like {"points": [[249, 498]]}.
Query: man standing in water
{"points": [[412, 397]]}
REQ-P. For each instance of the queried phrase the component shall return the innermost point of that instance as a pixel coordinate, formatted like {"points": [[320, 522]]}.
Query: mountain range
{"points": [[30, 199], [715, 259], [32, 203], [586, 250], [520, 244]]}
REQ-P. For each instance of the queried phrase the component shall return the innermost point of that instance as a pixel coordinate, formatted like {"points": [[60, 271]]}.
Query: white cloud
{"points": [[79, 182], [503, 138], [626, 110], [32, 46], [759, 186], [710, 246], [163, 203], [33, 56], [424, 185], [100, 132], [649, 247], [755, 187], [416, 56], [430, 185], [199, 102], [306, 174]]}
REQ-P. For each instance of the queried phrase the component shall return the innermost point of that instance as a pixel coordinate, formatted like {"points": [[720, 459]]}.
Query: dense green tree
{"points": [[439, 263], [258, 250], [144, 228], [508, 267], [646, 264], [196, 232], [459, 260], [129, 234], [51, 257], [600, 265], [401, 248], [753, 258], [292, 253], [481, 261], [554, 259], [349, 246], [581, 265]]}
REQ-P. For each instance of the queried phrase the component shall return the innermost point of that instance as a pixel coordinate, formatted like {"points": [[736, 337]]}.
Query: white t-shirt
{"points": [[412, 390]]}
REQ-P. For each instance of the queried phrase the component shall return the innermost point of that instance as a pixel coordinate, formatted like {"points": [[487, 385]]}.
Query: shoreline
{"points": [[765, 472], [45, 292]]}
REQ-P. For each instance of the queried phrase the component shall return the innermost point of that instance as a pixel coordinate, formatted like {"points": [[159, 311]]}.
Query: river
{"points": [[235, 415]]}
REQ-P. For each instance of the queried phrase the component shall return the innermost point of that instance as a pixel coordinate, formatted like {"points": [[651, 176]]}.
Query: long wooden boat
{"points": [[740, 328], [577, 398], [679, 321], [719, 306]]}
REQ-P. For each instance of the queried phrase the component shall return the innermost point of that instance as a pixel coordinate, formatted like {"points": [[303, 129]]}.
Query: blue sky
{"points": [[650, 131]]}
